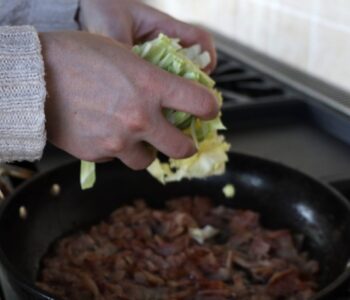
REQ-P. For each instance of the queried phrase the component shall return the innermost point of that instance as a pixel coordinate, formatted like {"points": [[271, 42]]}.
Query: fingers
{"points": [[103, 159], [187, 96], [138, 156], [171, 141]]}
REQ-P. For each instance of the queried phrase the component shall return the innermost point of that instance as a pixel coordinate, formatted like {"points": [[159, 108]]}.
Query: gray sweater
{"points": [[22, 84]]}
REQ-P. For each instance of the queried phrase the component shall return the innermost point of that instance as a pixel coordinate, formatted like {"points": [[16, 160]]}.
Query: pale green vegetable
{"points": [[212, 156], [87, 174], [209, 160], [201, 235], [229, 191], [202, 59]]}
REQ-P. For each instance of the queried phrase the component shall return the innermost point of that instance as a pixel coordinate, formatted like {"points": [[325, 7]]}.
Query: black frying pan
{"points": [[284, 197]]}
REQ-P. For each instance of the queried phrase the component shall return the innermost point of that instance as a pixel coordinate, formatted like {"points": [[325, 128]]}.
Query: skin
{"points": [[103, 101], [131, 22]]}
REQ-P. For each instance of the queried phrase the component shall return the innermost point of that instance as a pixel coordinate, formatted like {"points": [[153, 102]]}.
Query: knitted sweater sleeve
{"points": [[22, 94], [22, 85]]}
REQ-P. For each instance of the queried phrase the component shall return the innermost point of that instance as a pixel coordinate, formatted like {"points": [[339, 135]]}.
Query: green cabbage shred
{"points": [[211, 156], [87, 174], [229, 190]]}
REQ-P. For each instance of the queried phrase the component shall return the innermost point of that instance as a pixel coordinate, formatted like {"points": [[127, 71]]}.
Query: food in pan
{"points": [[211, 156], [189, 250]]}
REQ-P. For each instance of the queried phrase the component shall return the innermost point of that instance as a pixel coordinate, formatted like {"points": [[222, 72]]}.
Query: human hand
{"points": [[105, 102], [130, 21]]}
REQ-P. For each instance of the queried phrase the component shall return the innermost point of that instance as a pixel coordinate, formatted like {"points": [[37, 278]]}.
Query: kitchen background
{"points": [[312, 35], [266, 112]]}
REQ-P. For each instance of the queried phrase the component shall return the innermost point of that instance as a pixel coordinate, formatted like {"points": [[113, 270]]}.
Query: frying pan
{"points": [[285, 198]]}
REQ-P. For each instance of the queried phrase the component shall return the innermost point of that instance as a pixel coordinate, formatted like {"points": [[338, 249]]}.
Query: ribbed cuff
{"points": [[22, 95]]}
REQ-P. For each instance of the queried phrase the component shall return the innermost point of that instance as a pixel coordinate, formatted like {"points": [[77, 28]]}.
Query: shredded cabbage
{"points": [[211, 156], [87, 174], [229, 190], [201, 235]]}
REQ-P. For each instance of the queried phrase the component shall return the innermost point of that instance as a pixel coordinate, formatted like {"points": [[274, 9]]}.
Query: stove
{"points": [[271, 111]]}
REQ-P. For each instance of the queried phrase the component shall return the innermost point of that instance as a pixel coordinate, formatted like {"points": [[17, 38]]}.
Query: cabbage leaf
{"points": [[87, 174]]}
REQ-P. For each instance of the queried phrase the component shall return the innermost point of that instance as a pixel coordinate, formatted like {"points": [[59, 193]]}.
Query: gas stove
{"points": [[271, 111]]}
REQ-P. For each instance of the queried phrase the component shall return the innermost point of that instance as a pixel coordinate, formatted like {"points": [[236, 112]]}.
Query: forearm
{"points": [[22, 94]]}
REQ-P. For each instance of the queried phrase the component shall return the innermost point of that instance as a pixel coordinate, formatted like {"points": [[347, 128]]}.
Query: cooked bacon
{"points": [[140, 253], [287, 283]]}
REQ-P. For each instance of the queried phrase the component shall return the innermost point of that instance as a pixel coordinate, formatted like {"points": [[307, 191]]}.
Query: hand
{"points": [[129, 22], [105, 102]]}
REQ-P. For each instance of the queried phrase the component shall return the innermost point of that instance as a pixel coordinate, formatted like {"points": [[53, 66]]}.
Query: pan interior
{"points": [[284, 197]]}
